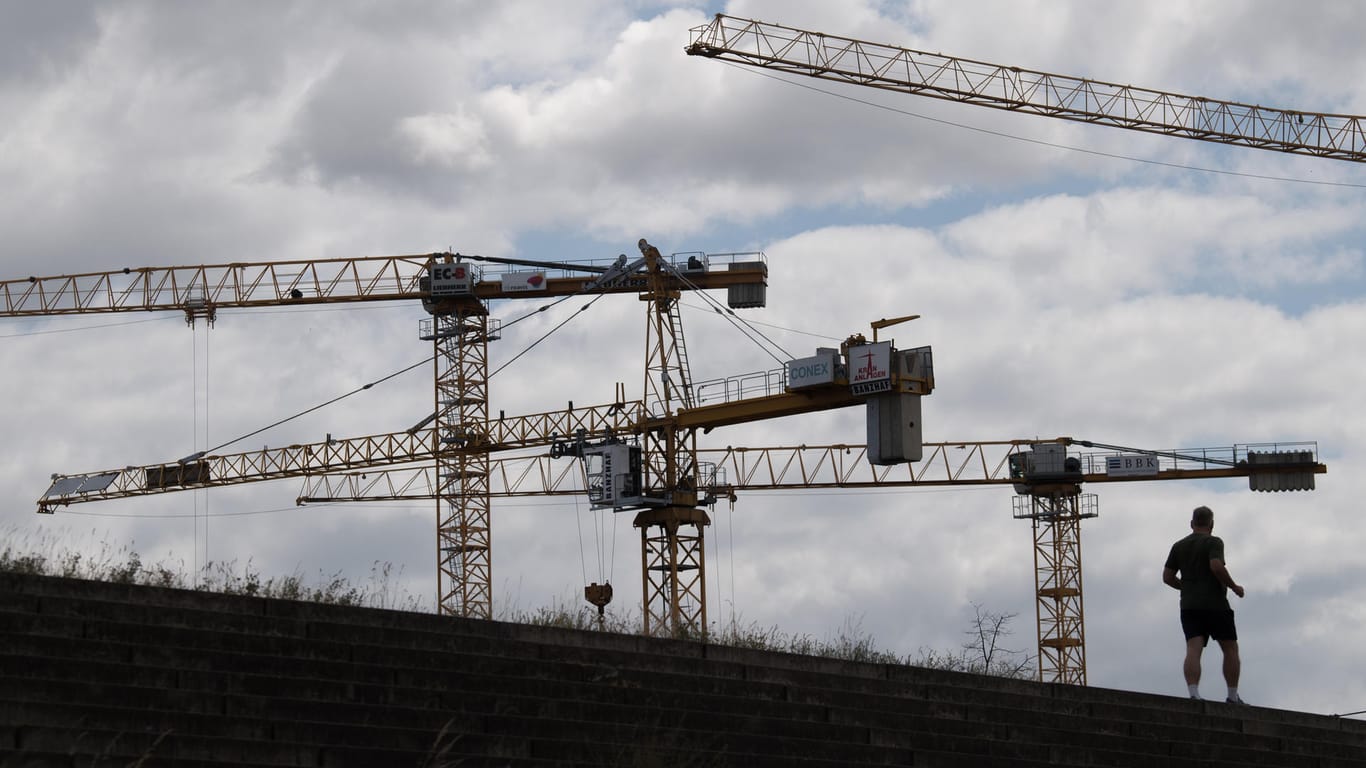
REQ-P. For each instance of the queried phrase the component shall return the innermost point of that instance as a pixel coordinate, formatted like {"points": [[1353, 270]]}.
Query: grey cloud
{"points": [[44, 41]]}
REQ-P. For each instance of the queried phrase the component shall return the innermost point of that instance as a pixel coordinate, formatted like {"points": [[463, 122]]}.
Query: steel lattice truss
{"points": [[312, 460], [893, 68], [463, 523], [840, 465], [271, 284]]}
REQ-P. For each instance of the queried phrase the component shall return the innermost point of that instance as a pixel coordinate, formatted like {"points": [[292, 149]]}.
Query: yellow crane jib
{"points": [[920, 73]]}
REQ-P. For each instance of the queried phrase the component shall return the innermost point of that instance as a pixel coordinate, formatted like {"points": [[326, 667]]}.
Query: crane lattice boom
{"points": [[199, 289], [889, 67], [336, 455], [953, 464]]}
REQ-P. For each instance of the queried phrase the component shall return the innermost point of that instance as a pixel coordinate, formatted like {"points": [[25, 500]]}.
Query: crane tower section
{"points": [[460, 330]]}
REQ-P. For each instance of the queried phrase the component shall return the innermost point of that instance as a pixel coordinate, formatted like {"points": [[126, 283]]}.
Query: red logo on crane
{"points": [[868, 370], [874, 373]]}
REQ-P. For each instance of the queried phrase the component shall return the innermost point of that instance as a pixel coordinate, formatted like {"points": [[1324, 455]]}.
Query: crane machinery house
{"points": [[893, 382]]}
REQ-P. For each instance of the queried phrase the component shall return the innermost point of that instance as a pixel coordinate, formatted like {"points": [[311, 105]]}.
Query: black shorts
{"points": [[1217, 624]]}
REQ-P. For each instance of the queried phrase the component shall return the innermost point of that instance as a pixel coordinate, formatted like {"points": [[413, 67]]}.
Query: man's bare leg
{"points": [[1233, 667], [1195, 646]]}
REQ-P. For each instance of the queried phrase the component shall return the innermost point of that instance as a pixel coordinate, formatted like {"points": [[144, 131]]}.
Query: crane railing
{"points": [[743, 386], [889, 67]]}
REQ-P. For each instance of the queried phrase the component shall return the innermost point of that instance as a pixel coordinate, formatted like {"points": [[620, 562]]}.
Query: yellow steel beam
{"points": [[894, 68]]}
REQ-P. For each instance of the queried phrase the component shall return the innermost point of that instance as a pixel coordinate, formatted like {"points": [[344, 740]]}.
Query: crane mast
{"points": [[460, 330], [672, 535], [894, 68]]}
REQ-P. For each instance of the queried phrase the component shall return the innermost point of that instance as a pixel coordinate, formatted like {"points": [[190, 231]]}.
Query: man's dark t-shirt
{"points": [[1190, 557]]}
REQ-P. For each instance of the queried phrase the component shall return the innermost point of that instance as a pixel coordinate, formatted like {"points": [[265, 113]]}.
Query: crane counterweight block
{"points": [[1281, 470]]}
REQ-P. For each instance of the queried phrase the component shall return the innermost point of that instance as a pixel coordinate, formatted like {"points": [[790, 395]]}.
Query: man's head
{"points": [[1202, 517]]}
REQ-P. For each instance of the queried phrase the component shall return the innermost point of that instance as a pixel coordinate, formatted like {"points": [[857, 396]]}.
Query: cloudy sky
{"points": [[1072, 279]]}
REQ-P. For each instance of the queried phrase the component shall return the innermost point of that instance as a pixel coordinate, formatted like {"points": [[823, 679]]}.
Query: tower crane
{"points": [[646, 457], [1055, 508], [653, 440], [461, 434]]}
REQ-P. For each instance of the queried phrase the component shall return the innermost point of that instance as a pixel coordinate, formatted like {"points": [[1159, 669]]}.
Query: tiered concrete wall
{"points": [[95, 674]]}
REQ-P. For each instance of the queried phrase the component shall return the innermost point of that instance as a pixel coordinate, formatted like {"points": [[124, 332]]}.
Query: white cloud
{"points": [[1063, 292], [456, 141]]}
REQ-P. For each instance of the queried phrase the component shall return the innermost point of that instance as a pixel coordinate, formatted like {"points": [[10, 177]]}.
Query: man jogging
{"points": [[1195, 566]]}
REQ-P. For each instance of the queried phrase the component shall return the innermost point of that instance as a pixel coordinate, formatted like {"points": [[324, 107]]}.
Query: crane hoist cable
{"points": [[547, 334], [578, 525], [606, 560], [740, 324], [85, 327], [770, 325], [1050, 144], [199, 454]]}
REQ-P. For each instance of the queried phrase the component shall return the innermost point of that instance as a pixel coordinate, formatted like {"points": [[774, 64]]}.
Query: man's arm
{"points": [[1170, 578], [1220, 572]]}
